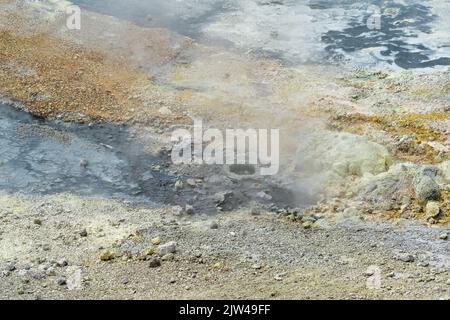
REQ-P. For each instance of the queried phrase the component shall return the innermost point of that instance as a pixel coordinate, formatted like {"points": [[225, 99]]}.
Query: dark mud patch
{"points": [[50, 157]]}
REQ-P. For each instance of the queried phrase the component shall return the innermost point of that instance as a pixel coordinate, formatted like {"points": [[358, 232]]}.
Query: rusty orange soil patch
{"points": [[399, 125], [55, 79]]}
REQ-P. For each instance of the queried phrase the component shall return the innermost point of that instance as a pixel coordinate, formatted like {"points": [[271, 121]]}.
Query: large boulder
{"points": [[388, 190], [342, 154]]}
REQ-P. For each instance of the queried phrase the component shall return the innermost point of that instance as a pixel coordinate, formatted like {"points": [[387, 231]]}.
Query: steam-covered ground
{"points": [[88, 187]]}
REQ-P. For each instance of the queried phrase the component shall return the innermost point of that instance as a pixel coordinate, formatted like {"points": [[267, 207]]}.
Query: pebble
{"points": [[214, 225], [154, 262], [147, 252], [255, 211], [189, 209], [178, 185], [83, 233], [443, 236], [84, 163], [37, 221], [165, 111], [107, 255], [168, 257], [156, 241], [307, 225], [405, 257], [169, 247], [191, 182], [50, 271], [36, 274], [279, 276], [61, 281], [10, 267], [62, 263]]}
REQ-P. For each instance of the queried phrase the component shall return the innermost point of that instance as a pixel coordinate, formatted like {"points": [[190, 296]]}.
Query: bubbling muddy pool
{"points": [[105, 160]]}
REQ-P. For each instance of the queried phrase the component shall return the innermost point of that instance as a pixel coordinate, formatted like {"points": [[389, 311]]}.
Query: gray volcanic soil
{"points": [[240, 256]]}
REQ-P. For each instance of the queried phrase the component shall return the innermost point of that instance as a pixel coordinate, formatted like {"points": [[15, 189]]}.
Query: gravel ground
{"points": [[237, 255]]}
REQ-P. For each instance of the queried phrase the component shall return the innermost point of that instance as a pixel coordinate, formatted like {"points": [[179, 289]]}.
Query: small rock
{"points": [[37, 221], [443, 236], [177, 210], [169, 247], [154, 262], [221, 197], [50, 271], [189, 209], [307, 225], [5, 274], [62, 263], [405, 257], [214, 225], [84, 163], [83, 233], [191, 182], [10, 267], [279, 276], [432, 209], [255, 211], [165, 111], [107, 255], [147, 252], [369, 273], [168, 257], [61, 281], [36, 274], [264, 195], [178, 185], [156, 241]]}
